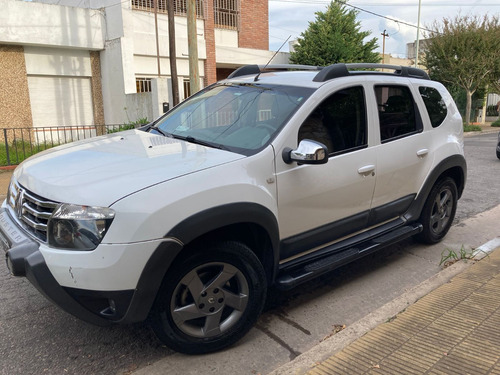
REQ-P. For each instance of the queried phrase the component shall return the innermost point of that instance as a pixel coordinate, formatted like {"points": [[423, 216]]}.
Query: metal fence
{"points": [[17, 144], [180, 6]]}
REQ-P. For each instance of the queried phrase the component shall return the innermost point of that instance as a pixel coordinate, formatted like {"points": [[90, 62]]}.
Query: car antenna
{"points": [[271, 59]]}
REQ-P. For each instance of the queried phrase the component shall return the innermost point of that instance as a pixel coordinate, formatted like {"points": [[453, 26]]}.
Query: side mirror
{"points": [[308, 152]]}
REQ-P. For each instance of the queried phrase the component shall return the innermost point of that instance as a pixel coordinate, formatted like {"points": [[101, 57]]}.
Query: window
{"points": [[227, 14], [435, 105], [143, 84], [339, 122], [187, 88], [180, 6], [240, 117], [396, 112]]}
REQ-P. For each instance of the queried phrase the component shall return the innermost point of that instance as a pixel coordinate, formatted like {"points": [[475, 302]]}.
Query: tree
{"points": [[334, 37], [465, 52]]}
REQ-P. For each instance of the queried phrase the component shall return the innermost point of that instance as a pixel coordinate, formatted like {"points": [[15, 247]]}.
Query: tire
{"points": [[210, 300], [439, 211], [498, 154]]}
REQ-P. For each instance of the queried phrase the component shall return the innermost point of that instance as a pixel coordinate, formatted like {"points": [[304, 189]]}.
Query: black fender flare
{"points": [[188, 230], [217, 217], [454, 166]]}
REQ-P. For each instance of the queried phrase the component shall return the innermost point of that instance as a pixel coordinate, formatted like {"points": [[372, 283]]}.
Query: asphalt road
{"points": [[483, 171], [36, 337]]}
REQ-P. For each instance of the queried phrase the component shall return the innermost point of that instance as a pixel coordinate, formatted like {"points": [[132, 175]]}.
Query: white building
{"points": [[97, 63]]}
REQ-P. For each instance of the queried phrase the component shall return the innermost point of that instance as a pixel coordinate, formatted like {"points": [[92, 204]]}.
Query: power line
{"points": [[357, 8]]}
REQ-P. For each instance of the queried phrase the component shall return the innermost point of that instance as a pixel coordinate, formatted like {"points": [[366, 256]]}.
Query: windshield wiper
{"points": [[156, 129], [191, 139]]}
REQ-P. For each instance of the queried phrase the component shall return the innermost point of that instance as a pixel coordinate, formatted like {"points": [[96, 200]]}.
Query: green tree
{"points": [[334, 37], [465, 52]]}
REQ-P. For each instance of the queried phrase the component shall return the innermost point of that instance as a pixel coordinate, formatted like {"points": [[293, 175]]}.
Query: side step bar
{"points": [[290, 277]]}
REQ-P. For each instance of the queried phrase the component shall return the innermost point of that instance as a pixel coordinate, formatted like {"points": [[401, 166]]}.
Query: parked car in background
{"points": [[270, 177], [498, 146]]}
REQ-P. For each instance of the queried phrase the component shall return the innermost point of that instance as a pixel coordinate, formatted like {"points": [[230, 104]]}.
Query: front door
{"points": [[318, 204]]}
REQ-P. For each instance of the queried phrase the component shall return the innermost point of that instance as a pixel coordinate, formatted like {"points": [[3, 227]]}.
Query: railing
{"points": [[180, 6], [227, 14], [17, 144]]}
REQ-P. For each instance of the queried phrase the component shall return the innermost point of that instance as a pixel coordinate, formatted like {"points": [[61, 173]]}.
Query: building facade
{"points": [[107, 62]]}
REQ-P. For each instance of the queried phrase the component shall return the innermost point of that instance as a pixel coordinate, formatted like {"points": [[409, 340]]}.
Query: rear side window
{"points": [[435, 105], [396, 111]]}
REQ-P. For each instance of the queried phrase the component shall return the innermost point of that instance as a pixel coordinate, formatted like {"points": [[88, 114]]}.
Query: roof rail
{"points": [[256, 69], [343, 70]]}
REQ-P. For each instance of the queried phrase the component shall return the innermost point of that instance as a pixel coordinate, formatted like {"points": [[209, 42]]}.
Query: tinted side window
{"points": [[339, 122], [435, 105], [396, 111]]}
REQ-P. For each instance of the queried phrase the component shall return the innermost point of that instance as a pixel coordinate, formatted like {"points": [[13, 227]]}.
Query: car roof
{"points": [[289, 78], [315, 76]]}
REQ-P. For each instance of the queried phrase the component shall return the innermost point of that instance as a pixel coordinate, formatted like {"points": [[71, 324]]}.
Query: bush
{"points": [[496, 123], [20, 150], [472, 128], [128, 126]]}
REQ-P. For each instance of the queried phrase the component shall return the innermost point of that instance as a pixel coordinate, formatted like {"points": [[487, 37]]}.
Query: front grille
{"points": [[32, 211]]}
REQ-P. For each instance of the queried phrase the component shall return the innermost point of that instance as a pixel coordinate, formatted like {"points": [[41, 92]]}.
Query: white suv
{"points": [[270, 177]]}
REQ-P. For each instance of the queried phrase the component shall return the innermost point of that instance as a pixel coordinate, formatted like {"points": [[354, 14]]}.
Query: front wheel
{"points": [[210, 300], [439, 211]]}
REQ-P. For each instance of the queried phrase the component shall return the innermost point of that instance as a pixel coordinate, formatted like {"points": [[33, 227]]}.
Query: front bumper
{"points": [[25, 257]]}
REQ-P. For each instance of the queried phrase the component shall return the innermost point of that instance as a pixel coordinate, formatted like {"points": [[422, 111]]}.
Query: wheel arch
{"points": [[454, 167], [250, 223]]}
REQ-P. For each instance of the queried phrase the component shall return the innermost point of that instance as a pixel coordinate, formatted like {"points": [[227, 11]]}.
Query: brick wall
{"points": [[254, 24], [97, 101], [222, 73], [210, 62], [15, 106]]}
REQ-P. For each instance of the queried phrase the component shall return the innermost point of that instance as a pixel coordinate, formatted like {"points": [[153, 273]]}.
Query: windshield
{"points": [[242, 118]]}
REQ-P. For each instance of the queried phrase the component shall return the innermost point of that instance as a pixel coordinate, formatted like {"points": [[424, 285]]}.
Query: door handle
{"points": [[422, 153], [367, 170]]}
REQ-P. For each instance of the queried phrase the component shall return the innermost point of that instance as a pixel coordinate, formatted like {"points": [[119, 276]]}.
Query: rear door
{"points": [[404, 156]]}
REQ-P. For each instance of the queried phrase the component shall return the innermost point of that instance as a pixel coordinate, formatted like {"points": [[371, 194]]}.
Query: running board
{"points": [[302, 272]]}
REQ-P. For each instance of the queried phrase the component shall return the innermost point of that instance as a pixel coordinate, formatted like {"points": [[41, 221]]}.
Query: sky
{"points": [[292, 17]]}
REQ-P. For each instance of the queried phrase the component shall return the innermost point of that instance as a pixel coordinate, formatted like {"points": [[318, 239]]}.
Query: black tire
{"points": [[498, 154], [210, 300], [439, 211]]}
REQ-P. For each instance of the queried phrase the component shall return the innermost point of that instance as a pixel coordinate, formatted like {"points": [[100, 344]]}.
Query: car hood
{"points": [[104, 169]]}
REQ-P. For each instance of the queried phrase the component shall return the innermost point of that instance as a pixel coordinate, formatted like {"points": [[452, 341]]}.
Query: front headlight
{"points": [[78, 227]]}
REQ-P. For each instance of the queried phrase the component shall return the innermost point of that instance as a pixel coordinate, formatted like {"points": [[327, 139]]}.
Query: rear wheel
{"points": [[439, 211], [210, 300]]}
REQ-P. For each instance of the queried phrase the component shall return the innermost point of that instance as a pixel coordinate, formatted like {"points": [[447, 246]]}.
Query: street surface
{"points": [[37, 337]]}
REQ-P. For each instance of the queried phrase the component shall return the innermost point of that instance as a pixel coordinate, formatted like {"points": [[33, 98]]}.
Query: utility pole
{"points": [[194, 75], [418, 33], [171, 52], [384, 34], [155, 6]]}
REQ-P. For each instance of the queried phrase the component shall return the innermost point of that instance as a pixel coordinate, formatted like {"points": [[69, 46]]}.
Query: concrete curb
{"points": [[339, 341], [484, 131]]}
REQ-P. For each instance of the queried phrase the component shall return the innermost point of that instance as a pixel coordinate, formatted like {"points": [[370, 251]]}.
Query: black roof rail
{"points": [[343, 70], [256, 69]]}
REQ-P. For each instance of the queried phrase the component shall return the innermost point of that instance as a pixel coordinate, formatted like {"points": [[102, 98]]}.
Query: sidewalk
{"points": [[452, 330], [485, 129]]}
